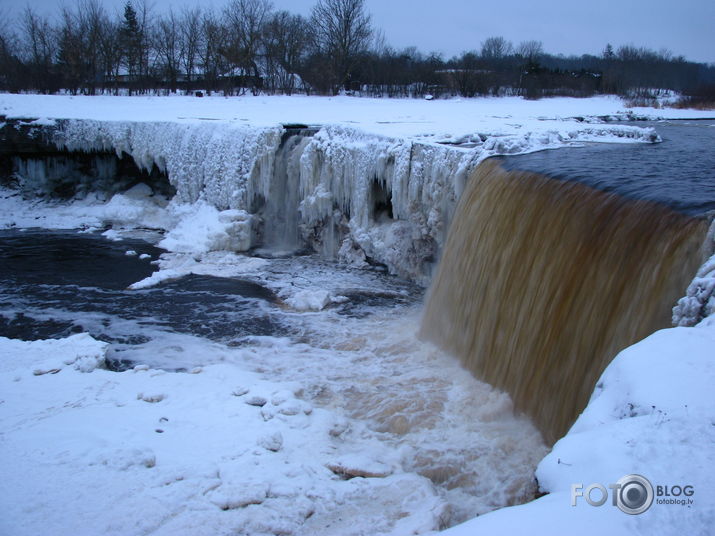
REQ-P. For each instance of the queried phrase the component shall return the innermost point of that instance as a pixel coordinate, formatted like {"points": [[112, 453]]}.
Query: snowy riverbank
{"points": [[437, 120], [358, 430]]}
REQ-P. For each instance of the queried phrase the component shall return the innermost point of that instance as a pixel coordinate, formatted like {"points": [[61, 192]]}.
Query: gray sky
{"points": [[564, 26]]}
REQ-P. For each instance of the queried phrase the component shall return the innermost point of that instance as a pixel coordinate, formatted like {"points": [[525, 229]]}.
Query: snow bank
{"points": [[650, 414], [403, 118], [80, 351], [202, 228]]}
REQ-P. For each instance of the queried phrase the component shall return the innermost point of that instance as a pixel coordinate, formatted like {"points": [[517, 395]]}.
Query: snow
{"points": [[79, 351], [225, 449], [699, 300], [309, 300], [202, 228], [414, 118], [91, 213], [217, 263]]}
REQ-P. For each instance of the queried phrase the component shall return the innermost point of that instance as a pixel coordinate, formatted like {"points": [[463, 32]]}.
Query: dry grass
{"points": [[694, 104]]}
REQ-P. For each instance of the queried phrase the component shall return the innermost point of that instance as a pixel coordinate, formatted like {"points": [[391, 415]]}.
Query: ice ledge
{"points": [[386, 198]]}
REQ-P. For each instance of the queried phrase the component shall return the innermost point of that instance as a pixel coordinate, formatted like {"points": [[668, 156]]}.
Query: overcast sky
{"points": [[684, 27]]}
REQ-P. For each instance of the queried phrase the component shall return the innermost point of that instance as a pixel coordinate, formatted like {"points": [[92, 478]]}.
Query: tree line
{"points": [[247, 46]]}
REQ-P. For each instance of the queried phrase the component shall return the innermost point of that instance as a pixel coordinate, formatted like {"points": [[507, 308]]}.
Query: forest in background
{"points": [[248, 47]]}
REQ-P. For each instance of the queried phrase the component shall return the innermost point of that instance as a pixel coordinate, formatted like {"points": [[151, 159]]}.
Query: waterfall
{"points": [[281, 214], [543, 281]]}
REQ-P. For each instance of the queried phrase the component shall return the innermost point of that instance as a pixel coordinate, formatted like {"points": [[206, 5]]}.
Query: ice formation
{"points": [[348, 194], [699, 300]]}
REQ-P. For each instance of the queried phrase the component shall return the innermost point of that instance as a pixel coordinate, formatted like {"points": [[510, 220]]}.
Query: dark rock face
{"points": [[31, 162]]}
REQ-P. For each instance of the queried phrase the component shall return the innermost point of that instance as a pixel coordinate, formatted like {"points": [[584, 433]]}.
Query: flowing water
{"points": [[546, 276], [542, 282]]}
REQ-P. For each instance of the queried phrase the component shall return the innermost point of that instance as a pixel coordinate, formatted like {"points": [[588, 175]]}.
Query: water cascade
{"points": [[280, 196], [542, 282]]}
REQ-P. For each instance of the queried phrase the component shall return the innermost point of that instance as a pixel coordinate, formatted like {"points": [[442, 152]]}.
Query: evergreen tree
{"points": [[131, 40]]}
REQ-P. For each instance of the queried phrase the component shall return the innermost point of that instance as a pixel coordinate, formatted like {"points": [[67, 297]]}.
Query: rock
{"points": [[272, 442], [256, 400], [240, 391], [40, 372], [152, 399], [357, 466]]}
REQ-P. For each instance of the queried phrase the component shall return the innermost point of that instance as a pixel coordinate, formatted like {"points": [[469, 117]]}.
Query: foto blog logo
{"points": [[633, 494]]}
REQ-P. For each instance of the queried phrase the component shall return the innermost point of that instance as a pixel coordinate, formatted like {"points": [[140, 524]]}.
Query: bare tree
{"points": [[245, 20], [10, 65], [285, 39], [168, 48], [39, 47], [211, 59], [190, 29], [110, 53], [88, 54], [496, 48], [531, 51], [69, 57], [467, 77], [341, 32], [92, 22]]}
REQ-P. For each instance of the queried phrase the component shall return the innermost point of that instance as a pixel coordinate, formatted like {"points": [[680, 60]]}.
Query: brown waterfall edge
{"points": [[542, 282]]}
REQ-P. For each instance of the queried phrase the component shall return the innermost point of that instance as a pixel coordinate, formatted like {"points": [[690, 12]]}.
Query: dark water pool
{"points": [[53, 284]]}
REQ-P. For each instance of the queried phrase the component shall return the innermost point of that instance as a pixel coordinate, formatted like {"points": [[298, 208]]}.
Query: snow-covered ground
{"points": [[282, 438], [437, 120]]}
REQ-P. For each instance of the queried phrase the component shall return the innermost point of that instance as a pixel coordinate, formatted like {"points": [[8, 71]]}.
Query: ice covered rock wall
{"points": [[391, 199], [355, 196], [359, 196], [219, 163]]}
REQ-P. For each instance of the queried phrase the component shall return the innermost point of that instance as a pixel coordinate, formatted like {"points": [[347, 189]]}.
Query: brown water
{"points": [[542, 282]]}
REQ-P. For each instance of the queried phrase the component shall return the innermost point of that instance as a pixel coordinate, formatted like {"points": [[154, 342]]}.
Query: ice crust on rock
{"points": [[219, 163], [351, 195], [699, 300]]}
